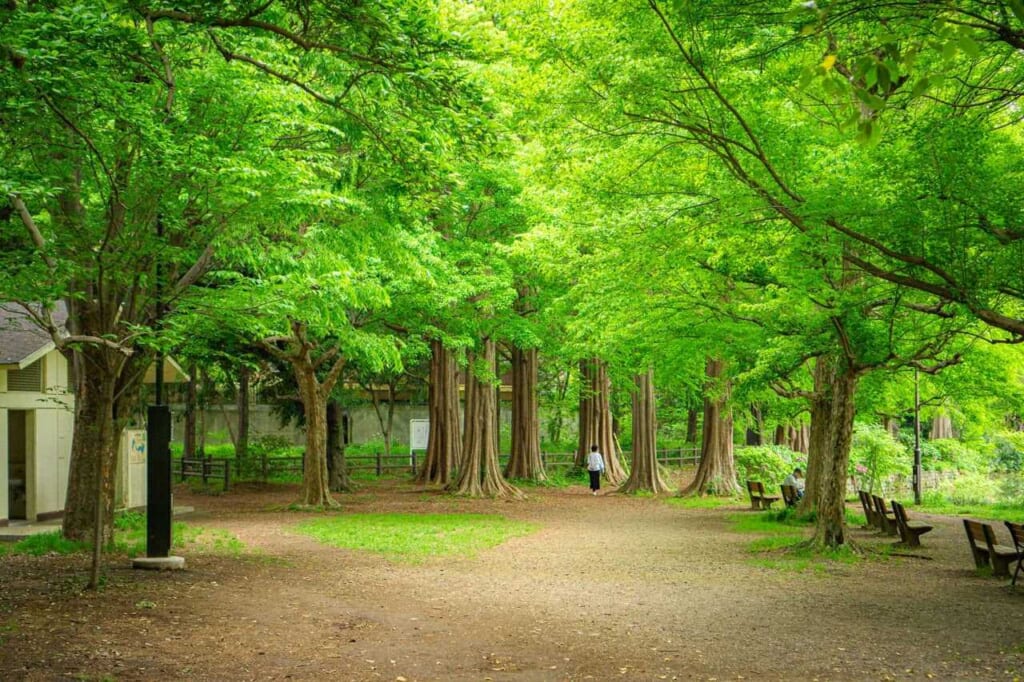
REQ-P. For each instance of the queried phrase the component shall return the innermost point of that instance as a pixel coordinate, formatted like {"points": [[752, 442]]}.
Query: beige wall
{"points": [[3, 455], [49, 422]]}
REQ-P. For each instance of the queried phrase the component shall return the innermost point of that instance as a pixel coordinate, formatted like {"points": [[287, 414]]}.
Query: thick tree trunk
{"points": [[596, 420], [444, 444], [818, 434], [315, 481], [93, 466], [337, 471], [525, 461], [755, 432], [716, 474], [644, 474], [892, 425], [691, 426], [830, 525], [480, 474], [800, 441], [242, 402], [782, 436], [942, 427]]}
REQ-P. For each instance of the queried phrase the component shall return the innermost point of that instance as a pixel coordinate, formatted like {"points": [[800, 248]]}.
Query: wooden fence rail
{"points": [[263, 468]]}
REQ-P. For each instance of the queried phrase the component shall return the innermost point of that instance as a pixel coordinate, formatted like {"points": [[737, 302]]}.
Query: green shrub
{"points": [[874, 456], [1009, 450], [271, 446], [769, 464], [1011, 488], [955, 456], [967, 488]]}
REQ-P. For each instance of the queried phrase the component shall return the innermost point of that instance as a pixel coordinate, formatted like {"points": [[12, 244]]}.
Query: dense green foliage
{"points": [[315, 191]]}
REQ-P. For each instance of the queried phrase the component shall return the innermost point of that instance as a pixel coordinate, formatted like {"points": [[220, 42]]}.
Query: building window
{"points": [[29, 379]]}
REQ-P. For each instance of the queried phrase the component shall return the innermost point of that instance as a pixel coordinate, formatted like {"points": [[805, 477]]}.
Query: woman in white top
{"points": [[595, 467]]}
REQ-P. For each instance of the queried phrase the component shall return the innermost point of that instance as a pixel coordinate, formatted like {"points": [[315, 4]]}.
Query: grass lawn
{"points": [[415, 537]]}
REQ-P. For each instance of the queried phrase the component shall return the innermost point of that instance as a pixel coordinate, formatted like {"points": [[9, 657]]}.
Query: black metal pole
{"points": [[158, 455], [917, 438]]}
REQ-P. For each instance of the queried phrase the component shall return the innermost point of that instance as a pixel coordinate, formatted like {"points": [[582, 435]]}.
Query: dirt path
{"points": [[607, 588]]}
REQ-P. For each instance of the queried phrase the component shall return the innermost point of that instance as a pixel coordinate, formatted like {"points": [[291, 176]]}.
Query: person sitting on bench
{"points": [[796, 479]]}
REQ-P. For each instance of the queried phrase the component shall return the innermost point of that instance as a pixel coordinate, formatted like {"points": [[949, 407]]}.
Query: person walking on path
{"points": [[595, 467]]}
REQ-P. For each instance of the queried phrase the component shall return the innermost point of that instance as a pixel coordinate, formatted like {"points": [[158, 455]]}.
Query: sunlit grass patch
{"points": [[414, 537], [704, 502], [51, 542], [983, 512]]}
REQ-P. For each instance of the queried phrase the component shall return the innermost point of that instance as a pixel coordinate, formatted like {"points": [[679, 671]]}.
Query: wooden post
{"points": [[378, 464]]}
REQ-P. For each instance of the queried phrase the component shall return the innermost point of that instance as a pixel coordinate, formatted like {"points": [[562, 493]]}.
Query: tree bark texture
{"points": [[525, 460], [942, 427], [818, 438], [242, 401], [644, 474], [596, 420], [315, 481], [306, 357], [755, 432], [830, 525], [691, 426], [716, 473], [480, 473], [337, 470], [444, 443], [800, 439], [93, 465]]}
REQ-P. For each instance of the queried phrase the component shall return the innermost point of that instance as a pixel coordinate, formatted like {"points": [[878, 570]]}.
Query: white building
{"points": [[36, 417]]}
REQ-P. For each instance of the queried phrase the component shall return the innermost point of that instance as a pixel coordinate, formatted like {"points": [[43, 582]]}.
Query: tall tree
{"points": [[479, 473], [716, 473], [644, 474], [444, 443], [525, 459], [595, 419]]}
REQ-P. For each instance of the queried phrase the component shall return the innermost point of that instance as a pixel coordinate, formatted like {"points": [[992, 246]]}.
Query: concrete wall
{"points": [[364, 426]]}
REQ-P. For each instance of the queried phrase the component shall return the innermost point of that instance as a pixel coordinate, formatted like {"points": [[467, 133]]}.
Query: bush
{"points": [[955, 456], [968, 488], [1011, 488], [874, 456], [769, 464], [1009, 450], [270, 446]]}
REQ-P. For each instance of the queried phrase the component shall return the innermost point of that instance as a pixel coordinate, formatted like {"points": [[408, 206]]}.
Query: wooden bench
{"points": [[789, 495], [869, 512], [758, 500], [910, 532], [986, 549], [1017, 534], [885, 518]]}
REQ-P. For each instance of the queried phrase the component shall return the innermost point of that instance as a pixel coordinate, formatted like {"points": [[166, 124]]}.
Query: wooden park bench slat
{"points": [[978, 542], [869, 512], [1017, 534], [789, 496], [758, 500], [886, 519], [910, 531], [986, 549]]}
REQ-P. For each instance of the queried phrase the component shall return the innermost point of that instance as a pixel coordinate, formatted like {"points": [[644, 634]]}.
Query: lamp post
{"points": [[158, 466], [917, 438]]}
